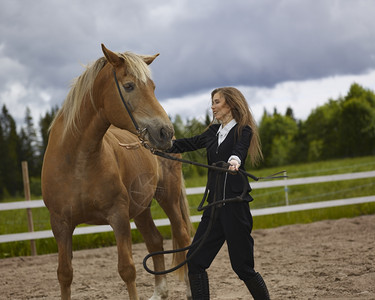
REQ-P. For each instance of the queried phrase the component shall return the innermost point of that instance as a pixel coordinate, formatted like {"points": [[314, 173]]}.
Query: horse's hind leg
{"points": [[154, 243], [63, 235], [171, 199]]}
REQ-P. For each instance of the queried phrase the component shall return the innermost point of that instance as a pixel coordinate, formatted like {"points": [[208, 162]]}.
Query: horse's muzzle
{"points": [[160, 137]]}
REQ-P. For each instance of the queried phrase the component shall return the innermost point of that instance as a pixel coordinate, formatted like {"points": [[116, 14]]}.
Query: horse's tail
{"points": [[185, 212]]}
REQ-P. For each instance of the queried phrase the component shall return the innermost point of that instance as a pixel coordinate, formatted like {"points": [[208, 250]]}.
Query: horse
{"points": [[89, 177]]}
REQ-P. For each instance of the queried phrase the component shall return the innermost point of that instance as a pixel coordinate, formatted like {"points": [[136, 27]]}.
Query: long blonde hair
{"points": [[241, 113]]}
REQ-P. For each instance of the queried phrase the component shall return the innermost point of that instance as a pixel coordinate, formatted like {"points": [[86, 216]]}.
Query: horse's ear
{"points": [[112, 57], [148, 59]]}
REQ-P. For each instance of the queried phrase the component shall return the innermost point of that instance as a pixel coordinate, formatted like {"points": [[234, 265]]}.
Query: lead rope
{"points": [[214, 167], [219, 167], [200, 241]]}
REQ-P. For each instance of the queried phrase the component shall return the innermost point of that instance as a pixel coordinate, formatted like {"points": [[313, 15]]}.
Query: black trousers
{"points": [[232, 223]]}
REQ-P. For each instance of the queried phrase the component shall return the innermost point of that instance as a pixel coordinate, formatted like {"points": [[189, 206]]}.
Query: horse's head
{"points": [[136, 89]]}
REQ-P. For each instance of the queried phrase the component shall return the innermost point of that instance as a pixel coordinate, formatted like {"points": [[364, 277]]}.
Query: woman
{"points": [[230, 137]]}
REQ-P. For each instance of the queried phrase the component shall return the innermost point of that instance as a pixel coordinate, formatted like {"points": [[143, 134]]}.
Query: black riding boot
{"points": [[199, 286], [258, 288]]}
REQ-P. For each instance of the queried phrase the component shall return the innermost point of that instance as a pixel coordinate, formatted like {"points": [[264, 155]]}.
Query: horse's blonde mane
{"points": [[83, 84]]}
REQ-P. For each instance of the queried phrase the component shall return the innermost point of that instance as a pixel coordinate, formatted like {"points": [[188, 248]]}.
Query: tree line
{"points": [[344, 127], [24, 144], [338, 129]]}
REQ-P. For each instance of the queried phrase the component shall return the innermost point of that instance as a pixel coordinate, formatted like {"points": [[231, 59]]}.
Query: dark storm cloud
{"points": [[203, 44], [273, 41]]}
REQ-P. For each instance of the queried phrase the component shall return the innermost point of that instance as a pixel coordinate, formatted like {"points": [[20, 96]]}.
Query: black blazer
{"points": [[232, 145]]}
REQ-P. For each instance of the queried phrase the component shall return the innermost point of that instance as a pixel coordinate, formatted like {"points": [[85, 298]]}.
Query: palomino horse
{"points": [[88, 177]]}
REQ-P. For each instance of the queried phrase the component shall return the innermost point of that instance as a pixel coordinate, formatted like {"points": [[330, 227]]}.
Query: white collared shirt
{"points": [[223, 131], [222, 134]]}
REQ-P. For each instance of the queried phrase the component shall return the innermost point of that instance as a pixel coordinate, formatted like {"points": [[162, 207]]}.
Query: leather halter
{"points": [[141, 132]]}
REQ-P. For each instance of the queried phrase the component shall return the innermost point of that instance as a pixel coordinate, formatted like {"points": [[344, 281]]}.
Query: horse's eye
{"points": [[129, 86]]}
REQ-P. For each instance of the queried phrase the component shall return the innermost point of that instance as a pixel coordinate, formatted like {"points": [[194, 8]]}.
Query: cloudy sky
{"points": [[280, 53]]}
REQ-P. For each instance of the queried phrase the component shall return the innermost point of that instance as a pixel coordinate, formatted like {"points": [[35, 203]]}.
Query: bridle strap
{"points": [[140, 132]]}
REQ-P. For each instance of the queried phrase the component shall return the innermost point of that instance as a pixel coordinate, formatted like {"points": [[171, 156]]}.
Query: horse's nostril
{"points": [[163, 133], [166, 133]]}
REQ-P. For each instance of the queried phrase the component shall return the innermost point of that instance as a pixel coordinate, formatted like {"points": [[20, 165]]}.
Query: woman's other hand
{"points": [[234, 165]]}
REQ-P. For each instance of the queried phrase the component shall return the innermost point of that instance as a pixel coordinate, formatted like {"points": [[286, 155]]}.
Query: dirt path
{"points": [[322, 260]]}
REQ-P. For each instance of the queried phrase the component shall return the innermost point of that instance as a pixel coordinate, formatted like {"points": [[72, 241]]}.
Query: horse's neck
{"points": [[92, 132], [88, 138]]}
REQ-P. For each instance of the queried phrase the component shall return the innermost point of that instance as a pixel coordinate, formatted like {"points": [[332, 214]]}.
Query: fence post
{"points": [[286, 190], [26, 188]]}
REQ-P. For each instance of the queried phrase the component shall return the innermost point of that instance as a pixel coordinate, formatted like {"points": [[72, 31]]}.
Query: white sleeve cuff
{"points": [[235, 157]]}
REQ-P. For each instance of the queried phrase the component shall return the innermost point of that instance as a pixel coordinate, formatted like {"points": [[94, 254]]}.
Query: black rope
{"points": [[216, 168], [199, 241], [221, 167]]}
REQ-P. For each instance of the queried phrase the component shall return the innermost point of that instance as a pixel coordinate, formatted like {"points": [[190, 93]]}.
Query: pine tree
{"points": [[44, 124], [29, 144], [10, 166]]}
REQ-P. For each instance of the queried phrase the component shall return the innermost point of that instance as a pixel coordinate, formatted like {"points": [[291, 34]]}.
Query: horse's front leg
{"points": [[121, 226], [154, 242], [63, 235]]}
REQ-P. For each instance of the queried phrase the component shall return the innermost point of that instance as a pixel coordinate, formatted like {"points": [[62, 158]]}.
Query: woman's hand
{"points": [[234, 165]]}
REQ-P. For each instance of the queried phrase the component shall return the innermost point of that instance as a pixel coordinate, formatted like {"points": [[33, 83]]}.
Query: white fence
{"points": [[200, 190]]}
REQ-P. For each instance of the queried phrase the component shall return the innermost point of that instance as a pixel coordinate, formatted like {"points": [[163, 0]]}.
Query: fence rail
{"points": [[200, 190]]}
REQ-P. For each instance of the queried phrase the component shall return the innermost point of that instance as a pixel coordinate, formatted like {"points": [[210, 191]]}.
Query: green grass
{"points": [[15, 221]]}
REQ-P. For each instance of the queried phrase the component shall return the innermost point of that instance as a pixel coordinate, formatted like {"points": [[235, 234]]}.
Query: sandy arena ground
{"points": [[322, 260]]}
